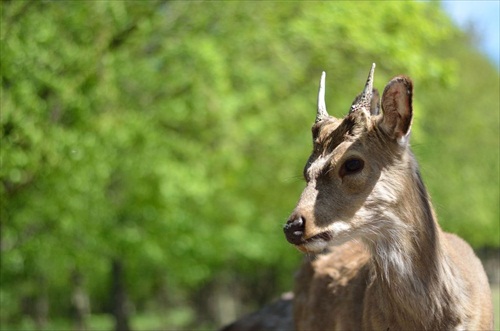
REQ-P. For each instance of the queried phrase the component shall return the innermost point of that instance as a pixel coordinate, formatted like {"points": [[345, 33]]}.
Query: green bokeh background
{"points": [[169, 137]]}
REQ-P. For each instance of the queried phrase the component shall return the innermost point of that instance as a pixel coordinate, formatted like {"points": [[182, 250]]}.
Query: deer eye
{"points": [[352, 166]]}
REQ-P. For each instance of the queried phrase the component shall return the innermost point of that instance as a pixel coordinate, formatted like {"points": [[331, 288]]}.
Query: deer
{"points": [[376, 257]]}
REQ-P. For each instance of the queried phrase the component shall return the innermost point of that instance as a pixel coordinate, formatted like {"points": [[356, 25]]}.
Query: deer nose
{"points": [[294, 230]]}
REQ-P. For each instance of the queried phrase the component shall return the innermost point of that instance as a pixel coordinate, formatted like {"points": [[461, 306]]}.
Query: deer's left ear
{"points": [[397, 108]]}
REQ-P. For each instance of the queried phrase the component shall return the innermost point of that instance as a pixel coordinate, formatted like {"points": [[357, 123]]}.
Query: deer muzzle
{"points": [[294, 230]]}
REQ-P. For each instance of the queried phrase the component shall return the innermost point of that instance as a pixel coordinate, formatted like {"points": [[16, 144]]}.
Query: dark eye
{"points": [[352, 166]]}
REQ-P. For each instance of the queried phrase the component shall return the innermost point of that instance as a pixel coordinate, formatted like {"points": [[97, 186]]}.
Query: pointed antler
{"points": [[322, 113], [363, 102]]}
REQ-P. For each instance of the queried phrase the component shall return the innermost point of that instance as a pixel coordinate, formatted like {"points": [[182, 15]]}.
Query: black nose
{"points": [[294, 230]]}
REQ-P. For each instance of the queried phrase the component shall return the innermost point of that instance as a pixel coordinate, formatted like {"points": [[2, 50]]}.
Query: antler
{"points": [[322, 113], [363, 102]]}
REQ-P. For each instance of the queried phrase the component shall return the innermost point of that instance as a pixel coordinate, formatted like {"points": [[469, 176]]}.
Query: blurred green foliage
{"points": [[172, 135]]}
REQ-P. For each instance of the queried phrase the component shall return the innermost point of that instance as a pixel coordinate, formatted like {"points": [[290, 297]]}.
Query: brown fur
{"points": [[377, 258], [393, 267]]}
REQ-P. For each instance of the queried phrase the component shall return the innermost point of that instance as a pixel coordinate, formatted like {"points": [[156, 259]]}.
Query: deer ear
{"points": [[397, 108]]}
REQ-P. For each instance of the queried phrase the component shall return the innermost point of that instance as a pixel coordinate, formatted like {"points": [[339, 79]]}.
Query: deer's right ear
{"points": [[397, 108]]}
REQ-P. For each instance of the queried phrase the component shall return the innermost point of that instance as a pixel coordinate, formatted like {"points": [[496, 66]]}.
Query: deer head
{"points": [[356, 171]]}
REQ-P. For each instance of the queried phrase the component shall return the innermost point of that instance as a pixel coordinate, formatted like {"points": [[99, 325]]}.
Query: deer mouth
{"points": [[316, 243], [324, 236]]}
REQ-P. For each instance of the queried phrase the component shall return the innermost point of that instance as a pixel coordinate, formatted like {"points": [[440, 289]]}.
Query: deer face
{"points": [[352, 168]]}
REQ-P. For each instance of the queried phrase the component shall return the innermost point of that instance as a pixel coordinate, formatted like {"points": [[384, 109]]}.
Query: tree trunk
{"points": [[119, 296], [80, 302], [219, 301], [41, 305]]}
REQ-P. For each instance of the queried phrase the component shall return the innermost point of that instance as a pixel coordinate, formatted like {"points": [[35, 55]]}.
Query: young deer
{"points": [[392, 267], [385, 263]]}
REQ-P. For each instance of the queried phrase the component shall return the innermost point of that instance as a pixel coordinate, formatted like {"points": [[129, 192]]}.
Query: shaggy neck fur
{"points": [[411, 276]]}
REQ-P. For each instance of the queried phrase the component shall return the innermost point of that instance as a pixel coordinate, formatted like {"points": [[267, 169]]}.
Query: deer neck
{"points": [[411, 275]]}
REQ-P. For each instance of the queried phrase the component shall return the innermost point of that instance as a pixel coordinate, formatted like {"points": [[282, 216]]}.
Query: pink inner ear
{"points": [[397, 107]]}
